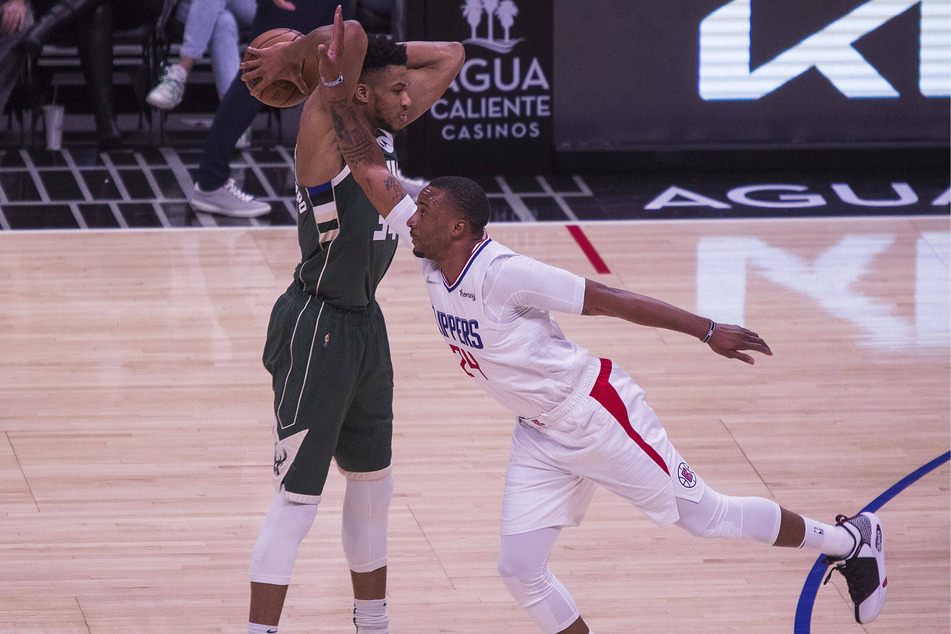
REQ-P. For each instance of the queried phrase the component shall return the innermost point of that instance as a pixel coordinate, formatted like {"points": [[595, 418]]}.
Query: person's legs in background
{"points": [[213, 25], [225, 40], [11, 59], [50, 18], [95, 56], [215, 191]]}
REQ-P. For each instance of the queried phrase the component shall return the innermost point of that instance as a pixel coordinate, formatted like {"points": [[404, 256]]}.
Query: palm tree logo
{"points": [[503, 10]]}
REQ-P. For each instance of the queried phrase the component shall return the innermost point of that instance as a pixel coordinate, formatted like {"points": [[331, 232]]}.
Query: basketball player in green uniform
{"points": [[327, 349]]}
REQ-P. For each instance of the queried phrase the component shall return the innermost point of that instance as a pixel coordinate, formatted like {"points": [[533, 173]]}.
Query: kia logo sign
{"points": [[725, 71]]}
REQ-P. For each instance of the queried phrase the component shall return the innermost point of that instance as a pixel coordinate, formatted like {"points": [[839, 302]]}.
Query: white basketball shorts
{"points": [[610, 438]]}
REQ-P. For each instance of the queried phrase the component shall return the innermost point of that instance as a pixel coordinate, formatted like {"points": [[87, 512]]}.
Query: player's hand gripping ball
{"points": [[283, 93]]}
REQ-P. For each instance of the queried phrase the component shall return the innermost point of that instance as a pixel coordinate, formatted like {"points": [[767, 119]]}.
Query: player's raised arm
{"points": [[284, 60], [357, 145], [431, 67], [724, 339]]}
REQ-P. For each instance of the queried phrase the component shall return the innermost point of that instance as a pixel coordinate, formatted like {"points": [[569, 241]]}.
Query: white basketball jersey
{"points": [[528, 365]]}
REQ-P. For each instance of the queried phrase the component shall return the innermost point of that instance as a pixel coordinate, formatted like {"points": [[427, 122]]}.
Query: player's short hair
{"points": [[382, 51], [468, 199]]}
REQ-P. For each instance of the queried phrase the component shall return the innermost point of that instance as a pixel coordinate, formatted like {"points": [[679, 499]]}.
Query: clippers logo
{"points": [[465, 331], [687, 477], [279, 462]]}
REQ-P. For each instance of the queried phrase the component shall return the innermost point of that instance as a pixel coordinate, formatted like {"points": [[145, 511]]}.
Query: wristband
{"points": [[331, 84], [713, 326]]}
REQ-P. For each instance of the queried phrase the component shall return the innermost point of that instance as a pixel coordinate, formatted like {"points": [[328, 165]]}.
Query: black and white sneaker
{"points": [[864, 568]]}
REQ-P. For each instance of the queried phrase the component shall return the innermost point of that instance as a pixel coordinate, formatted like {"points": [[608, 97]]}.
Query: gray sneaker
{"points": [[864, 568], [169, 92], [228, 200]]}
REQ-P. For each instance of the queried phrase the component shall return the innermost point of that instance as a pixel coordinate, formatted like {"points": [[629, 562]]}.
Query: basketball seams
{"points": [[281, 93]]}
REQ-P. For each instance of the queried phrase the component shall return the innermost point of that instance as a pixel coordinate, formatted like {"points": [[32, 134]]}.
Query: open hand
{"points": [[330, 55], [12, 16], [728, 340]]}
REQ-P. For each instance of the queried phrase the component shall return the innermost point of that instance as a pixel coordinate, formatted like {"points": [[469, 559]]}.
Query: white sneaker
{"points": [[864, 568], [244, 141], [228, 200], [170, 90]]}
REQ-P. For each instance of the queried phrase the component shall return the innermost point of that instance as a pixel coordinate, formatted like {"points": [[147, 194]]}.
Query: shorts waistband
{"points": [[581, 392], [355, 314], [356, 317]]}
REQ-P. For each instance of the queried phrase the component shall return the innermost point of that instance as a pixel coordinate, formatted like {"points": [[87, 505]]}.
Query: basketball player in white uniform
{"points": [[582, 422]]}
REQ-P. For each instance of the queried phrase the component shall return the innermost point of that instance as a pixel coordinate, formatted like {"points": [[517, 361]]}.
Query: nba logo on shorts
{"points": [[687, 478]]}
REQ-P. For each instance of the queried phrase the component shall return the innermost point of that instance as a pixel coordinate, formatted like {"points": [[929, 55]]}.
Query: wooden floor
{"points": [[135, 458]]}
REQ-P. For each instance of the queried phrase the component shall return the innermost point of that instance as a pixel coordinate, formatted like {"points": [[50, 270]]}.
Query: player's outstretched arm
{"points": [[726, 339], [431, 68], [284, 60], [357, 145]]}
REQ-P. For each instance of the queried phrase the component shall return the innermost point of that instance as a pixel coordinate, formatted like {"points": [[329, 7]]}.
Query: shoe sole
{"points": [[163, 106], [223, 212]]}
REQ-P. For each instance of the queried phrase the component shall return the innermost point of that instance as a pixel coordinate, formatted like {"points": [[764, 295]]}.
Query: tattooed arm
{"points": [[357, 145]]}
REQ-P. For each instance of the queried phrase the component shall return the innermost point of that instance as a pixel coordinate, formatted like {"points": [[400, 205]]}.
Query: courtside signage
{"points": [[686, 74], [497, 114]]}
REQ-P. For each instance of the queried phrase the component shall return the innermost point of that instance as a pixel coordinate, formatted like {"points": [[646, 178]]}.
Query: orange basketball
{"points": [[283, 93]]}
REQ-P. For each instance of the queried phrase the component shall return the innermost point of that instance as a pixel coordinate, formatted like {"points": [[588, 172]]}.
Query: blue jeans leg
{"points": [[235, 113]]}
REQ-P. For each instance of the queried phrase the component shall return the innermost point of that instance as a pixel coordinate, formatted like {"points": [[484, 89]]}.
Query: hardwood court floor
{"points": [[135, 460]]}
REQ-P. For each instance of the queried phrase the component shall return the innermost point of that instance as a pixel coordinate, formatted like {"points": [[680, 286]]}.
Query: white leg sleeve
{"points": [[716, 515], [523, 566], [365, 507], [285, 526]]}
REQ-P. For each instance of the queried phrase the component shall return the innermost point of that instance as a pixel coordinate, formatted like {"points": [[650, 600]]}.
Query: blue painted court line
{"points": [[814, 579]]}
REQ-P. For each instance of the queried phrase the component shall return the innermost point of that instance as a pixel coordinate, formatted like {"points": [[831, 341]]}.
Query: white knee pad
{"points": [[365, 507], [285, 526], [716, 515], [523, 567]]}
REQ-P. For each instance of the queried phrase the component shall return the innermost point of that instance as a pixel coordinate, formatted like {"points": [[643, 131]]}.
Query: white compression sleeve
{"points": [[716, 515], [285, 526], [366, 504], [523, 566]]}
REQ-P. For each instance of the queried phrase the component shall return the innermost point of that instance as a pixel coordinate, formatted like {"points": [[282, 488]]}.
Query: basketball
{"points": [[282, 93]]}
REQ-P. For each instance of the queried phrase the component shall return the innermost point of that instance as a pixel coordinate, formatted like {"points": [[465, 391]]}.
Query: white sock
{"points": [[257, 628], [178, 72], [835, 541], [369, 615]]}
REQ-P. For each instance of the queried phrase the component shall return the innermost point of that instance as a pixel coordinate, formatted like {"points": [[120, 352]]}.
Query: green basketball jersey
{"points": [[345, 246]]}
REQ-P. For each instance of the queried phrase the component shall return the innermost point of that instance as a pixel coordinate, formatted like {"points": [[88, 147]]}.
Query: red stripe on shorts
{"points": [[604, 393]]}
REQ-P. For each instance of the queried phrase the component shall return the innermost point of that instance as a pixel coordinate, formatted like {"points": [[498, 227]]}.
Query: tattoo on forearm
{"points": [[354, 141], [393, 187], [359, 148]]}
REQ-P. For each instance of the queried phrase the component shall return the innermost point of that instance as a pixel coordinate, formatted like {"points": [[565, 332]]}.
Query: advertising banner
{"points": [[708, 74], [497, 115]]}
